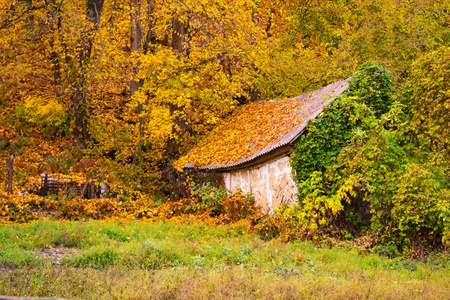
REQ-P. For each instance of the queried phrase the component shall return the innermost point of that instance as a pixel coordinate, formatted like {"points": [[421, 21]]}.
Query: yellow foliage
{"points": [[26, 208], [251, 129]]}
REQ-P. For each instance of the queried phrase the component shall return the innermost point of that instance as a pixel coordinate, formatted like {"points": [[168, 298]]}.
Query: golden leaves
{"points": [[252, 128]]}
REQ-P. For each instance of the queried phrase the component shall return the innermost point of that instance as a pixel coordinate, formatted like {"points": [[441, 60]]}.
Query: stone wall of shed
{"points": [[271, 182]]}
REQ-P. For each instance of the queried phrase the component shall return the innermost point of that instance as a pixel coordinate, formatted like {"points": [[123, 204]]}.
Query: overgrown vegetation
{"points": [[367, 164], [78, 98], [206, 202], [129, 110], [190, 259]]}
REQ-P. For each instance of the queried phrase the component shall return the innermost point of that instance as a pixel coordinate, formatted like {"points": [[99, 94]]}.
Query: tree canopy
{"points": [[129, 86]]}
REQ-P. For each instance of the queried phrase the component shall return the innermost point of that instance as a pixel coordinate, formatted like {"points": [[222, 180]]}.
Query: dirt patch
{"points": [[8, 268], [56, 254]]}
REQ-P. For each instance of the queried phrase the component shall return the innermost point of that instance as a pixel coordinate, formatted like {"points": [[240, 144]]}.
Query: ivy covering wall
{"points": [[371, 162]]}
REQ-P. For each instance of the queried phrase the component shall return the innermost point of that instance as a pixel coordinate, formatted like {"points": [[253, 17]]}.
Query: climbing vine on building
{"points": [[363, 162], [346, 118]]}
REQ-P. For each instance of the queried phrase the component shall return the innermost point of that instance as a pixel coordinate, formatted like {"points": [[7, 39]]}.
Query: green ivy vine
{"points": [[364, 149], [368, 96]]}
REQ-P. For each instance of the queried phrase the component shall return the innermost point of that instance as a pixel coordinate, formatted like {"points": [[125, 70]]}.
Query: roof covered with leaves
{"points": [[259, 128]]}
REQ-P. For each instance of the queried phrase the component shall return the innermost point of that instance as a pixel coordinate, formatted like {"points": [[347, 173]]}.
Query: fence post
{"points": [[10, 162]]}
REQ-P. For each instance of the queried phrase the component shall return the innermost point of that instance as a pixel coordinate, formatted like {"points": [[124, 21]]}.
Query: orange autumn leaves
{"points": [[251, 129], [259, 128]]}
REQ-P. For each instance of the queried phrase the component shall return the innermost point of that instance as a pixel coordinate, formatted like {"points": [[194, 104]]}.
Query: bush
{"points": [[427, 94], [406, 188], [323, 193], [351, 158], [345, 119], [211, 198], [372, 85], [44, 113]]}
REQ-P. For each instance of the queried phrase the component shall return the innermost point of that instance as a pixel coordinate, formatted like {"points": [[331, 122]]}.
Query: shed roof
{"points": [[257, 129]]}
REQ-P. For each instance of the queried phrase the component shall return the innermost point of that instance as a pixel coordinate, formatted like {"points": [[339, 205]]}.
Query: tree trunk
{"points": [[140, 43], [79, 101], [179, 128], [178, 35], [54, 24], [135, 45], [179, 32], [10, 162], [135, 83], [150, 38]]}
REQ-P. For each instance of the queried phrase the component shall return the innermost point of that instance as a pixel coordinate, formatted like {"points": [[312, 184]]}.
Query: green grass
{"points": [[167, 260]]}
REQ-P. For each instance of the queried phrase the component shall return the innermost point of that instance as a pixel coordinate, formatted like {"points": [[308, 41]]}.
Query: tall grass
{"points": [[168, 260]]}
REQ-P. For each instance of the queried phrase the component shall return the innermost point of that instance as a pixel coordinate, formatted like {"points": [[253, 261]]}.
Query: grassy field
{"points": [[194, 260]]}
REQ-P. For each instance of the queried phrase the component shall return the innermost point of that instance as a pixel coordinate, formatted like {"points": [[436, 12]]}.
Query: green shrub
{"points": [[211, 198], [345, 119], [323, 193], [373, 86], [326, 136], [427, 94], [406, 187], [46, 113], [349, 158]]}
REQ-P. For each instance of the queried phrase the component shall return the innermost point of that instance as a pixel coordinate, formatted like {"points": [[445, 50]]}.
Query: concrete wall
{"points": [[271, 182]]}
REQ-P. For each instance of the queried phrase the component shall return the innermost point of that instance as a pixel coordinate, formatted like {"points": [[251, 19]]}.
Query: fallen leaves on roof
{"points": [[246, 132], [255, 127]]}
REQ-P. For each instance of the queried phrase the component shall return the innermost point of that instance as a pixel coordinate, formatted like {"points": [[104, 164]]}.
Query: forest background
{"points": [[120, 89]]}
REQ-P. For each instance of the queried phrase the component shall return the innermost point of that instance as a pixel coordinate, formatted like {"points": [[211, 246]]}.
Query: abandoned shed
{"points": [[251, 148]]}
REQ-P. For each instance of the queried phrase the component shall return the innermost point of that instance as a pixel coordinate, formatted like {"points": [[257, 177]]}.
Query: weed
{"points": [[99, 258], [134, 260], [198, 262], [153, 257], [389, 250], [12, 255], [212, 198], [115, 234]]}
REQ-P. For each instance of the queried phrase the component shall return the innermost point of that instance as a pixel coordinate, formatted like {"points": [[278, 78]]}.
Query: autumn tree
{"points": [[80, 105], [148, 79], [427, 95]]}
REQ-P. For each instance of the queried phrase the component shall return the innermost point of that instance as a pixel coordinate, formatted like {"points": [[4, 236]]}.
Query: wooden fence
{"points": [[52, 184]]}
